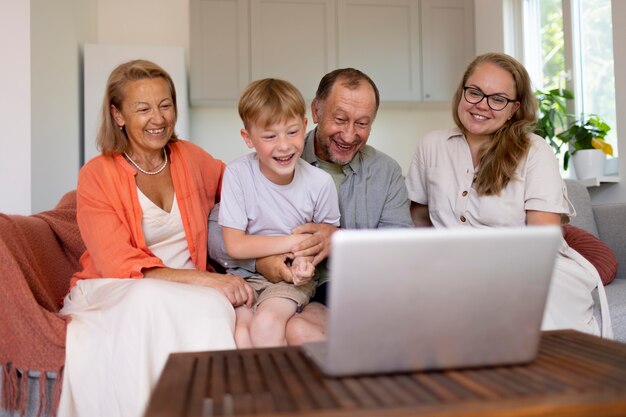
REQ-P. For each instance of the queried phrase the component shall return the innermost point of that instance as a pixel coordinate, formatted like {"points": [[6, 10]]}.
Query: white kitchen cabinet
{"points": [[382, 39], [219, 45], [415, 50], [447, 45], [293, 40]]}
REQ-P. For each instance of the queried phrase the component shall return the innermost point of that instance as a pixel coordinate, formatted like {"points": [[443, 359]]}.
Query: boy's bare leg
{"points": [[269, 322], [243, 316], [307, 326]]}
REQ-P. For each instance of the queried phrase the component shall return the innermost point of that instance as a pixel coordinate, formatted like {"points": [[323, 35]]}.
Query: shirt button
{"points": [[463, 219], [464, 193]]}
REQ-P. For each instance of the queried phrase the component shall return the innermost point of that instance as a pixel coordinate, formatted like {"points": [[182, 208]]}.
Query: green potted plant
{"points": [[560, 128]]}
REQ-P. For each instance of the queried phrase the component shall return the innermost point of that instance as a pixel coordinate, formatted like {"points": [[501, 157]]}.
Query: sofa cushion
{"points": [[579, 197], [594, 250]]}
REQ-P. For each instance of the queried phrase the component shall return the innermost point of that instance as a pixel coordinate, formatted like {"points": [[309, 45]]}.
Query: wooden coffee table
{"points": [[574, 375]]}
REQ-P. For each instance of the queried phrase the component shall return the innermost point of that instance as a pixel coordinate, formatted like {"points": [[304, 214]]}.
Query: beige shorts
{"points": [[265, 289]]}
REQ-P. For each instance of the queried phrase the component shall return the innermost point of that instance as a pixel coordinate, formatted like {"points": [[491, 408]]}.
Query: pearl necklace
{"points": [[156, 171]]}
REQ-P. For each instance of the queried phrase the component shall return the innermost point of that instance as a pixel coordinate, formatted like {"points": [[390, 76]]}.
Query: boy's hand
{"points": [[303, 270]]}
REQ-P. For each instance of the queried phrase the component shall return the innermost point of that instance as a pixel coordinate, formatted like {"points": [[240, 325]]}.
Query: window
{"points": [[576, 52]]}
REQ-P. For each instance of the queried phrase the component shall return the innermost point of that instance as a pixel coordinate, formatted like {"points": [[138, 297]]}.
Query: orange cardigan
{"points": [[109, 215]]}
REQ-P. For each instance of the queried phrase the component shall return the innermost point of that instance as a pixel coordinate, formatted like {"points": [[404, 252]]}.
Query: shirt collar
{"points": [[454, 133]]}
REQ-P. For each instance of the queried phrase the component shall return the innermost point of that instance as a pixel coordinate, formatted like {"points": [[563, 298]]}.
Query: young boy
{"points": [[265, 195]]}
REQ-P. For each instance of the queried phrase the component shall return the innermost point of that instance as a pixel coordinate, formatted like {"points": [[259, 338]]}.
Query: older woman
{"points": [[145, 288], [492, 172]]}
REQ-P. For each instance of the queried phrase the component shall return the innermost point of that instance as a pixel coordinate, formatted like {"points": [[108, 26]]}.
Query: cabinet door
{"points": [[447, 45], [293, 40], [219, 47], [381, 38]]}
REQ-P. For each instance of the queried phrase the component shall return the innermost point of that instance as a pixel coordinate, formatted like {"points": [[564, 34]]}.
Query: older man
{"points": [[371, 189]]}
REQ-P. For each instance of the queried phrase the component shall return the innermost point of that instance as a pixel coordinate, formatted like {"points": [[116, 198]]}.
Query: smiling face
{"points": [[344, 121], [278, 147], [147, 114], [479, 120]]}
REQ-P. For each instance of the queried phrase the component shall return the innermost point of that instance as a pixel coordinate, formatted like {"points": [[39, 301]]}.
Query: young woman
{"points": [[491, 171]]}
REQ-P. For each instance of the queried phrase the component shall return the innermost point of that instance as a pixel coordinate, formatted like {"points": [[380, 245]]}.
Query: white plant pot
{"points": [[589, 163]]}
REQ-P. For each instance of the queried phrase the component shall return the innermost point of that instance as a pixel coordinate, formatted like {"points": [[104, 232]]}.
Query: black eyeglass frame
{"points": [[486, 96]]}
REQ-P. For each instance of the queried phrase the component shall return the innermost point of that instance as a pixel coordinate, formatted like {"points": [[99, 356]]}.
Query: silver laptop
{"points": [[425, 299]]}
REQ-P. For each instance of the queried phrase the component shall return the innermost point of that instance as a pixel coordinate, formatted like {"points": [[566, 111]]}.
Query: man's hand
{"points": [[275, 268], [318, 245]]}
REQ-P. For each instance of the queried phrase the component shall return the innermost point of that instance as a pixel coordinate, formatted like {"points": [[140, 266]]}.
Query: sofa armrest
{"points": [[611, 221]]}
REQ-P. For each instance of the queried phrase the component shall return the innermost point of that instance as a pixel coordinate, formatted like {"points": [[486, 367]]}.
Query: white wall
{"points": [[489, 26], [144, 22], [15, 163], [58, 31]]}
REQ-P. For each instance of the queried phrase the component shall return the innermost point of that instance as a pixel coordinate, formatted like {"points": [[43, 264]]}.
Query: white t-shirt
{"points": [[253, 203]]}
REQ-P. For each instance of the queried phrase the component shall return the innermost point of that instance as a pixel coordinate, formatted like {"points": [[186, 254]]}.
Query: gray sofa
{"points": [[608, 222]]}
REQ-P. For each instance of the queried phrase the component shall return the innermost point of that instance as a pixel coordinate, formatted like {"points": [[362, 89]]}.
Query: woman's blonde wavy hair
{"points": [[499, 158], [111, 139]]}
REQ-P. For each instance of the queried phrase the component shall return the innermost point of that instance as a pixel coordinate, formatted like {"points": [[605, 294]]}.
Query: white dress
{"points": [[123, 330], [441, 176]]}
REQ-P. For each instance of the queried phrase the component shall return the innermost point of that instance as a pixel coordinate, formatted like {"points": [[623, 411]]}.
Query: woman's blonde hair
{"points": [[269, 101], [499, 158], [111, 139]]}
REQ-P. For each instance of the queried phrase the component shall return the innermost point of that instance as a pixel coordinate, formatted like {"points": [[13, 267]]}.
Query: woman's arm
{"points": [[536, 218], [240, 245], [420, 216], [233, 287]]}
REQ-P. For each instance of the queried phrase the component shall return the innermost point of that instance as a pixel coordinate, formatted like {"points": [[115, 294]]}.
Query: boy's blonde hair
{"points": [[270, 101]]}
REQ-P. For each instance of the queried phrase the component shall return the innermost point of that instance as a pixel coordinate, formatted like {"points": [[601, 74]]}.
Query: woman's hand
{"points": [[234, 287], [318, 244]]}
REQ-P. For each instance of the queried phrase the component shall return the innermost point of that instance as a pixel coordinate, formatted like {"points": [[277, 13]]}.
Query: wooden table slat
{"points": [[311, 379], [261, 398], [297, 391], [170, 396], [275, 383], [432, 385], [421, 394], [473, 385], [198, 387], [402, 395], [360, 393]]}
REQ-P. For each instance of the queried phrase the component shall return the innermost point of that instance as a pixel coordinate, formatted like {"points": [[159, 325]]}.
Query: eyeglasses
{"points": [[495, 102]]}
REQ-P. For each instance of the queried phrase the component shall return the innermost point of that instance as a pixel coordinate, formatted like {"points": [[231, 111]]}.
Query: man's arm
{"points": [[217, 250], [396, 211]]}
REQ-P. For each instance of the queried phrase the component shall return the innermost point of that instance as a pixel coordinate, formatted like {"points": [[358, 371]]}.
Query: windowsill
{"points": [[596, 181]]}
